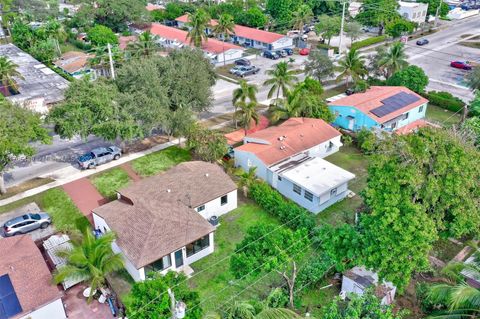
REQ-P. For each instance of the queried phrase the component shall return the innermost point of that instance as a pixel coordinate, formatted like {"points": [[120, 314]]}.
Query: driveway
{"points": [[29, 208]]}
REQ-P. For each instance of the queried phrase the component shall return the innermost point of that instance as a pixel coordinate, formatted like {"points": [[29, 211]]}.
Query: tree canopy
{"points": [[377, 13], [413, 77], [319, 66], [101, 35]]}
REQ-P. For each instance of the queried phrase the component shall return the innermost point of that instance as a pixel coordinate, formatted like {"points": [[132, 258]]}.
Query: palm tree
{"points": [[90, 260], [246, 179], [247, 113], [473, 79], [393, 60], [303, 15], [245, 310], [197, 23], [241, 94], [463, 301], [281, 79], [224, 28], [8, 70], [351, 66], [145, 46]]}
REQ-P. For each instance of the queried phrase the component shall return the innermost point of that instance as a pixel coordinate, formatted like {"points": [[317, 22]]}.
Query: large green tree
{"points": [[247, 113], [433, 5], [207, 145], [18, 128], [281, 11], [302, 16], [413, 77], [377, 13], [101, 35], [319, 66], [328, 27], [149, 299]]}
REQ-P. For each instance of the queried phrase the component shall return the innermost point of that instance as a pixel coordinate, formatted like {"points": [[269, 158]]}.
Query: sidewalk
{"points": [[70, 173]]}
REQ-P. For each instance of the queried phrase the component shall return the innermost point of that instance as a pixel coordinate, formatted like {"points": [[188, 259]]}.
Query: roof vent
{"points": [[282, 147], [206, 174], [281, 138], [169, 190]]}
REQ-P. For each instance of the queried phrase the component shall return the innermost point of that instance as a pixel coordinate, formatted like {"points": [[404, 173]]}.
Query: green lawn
{"points": [[215, 275], [354, 161], [314, 298], [108, 182], [160, 161], [442, 116]]}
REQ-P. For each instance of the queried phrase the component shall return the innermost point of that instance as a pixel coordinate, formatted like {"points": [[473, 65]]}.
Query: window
{"points": [[420, 109], [308, 196], [198, 245], [160, 264], [223, 200], [297, 189], [394, 125], [406, 115], [200, 208], [333, 192], [279, 177]]}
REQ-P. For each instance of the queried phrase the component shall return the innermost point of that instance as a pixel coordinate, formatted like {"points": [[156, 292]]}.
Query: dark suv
{"points": [[99, 156], [26, 223], [243, 62], [271, 55]]}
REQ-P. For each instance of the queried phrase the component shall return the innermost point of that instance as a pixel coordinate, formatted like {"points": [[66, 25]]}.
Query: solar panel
{"points": [[9, 304], [394, 103]]}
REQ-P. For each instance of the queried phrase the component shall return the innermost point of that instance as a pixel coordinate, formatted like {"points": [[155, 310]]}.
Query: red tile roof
{"points": [[212, 45], [28, 272], [414, 126], [238, 135], [152, 7], [291, 137], [372, 98], [245, 32]]}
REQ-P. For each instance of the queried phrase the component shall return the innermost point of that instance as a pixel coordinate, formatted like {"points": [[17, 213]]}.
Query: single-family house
{"points": [[75, 64], [250, 37], [217, 51], [358, 279], [384, 108], [161, 222], [413, 11], [26, 290], [289, 157]]}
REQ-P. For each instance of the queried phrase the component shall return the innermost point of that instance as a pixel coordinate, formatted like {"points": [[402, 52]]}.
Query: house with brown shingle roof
{"points": [[26, 289], [75, 64], [289, 157], [165, 222], [384, 108]]}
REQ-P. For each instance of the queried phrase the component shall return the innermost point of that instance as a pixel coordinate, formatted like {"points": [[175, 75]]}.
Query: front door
{"points": [[178, 258]]}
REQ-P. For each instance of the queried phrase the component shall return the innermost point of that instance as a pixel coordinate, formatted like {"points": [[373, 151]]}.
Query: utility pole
{"points": [[341, 28], [437, 14], [112, 70]]}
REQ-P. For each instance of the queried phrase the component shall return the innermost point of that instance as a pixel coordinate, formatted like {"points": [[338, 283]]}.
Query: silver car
{"points": [[26, 223], [99, 156]]}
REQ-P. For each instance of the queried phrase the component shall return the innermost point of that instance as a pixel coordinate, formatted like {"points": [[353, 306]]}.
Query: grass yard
{"points": [[215, 283], [445, 250], [160, 161], [334, 91], [32, 183], [314, 298], [354, 161], [445, 117], [108, 182]]}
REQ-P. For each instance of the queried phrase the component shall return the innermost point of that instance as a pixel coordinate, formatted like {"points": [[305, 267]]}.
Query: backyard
{"points": [[442, 116]]}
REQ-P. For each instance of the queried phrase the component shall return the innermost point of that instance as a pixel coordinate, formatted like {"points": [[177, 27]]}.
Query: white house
{"points": [[289, 157], [26, 283], [250, 37], [217, 51], [161, 221], [413, 11], [359, 279]]}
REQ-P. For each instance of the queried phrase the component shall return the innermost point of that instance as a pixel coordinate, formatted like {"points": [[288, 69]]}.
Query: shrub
{"points": [[314, 270], [411, 77], [367, 42], [275, 204], [277, 298], [366, 141], [444, 100]]}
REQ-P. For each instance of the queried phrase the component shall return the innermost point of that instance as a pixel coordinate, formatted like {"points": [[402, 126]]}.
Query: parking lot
{"points": [[29, 208]]}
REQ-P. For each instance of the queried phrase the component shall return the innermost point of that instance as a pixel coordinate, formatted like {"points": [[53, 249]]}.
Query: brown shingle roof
{"points": [[161, 219], [296, 134], [73, 61], [30, 277]]}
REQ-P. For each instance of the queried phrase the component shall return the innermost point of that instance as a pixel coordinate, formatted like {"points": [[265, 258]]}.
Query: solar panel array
{"points": [[9, 304], [394, 103]]}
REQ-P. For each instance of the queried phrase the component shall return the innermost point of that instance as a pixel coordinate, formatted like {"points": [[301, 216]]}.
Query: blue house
{"points": [[289, 157], [384, 108]]}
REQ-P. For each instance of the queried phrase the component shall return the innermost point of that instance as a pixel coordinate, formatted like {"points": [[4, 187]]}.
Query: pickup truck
{"points": [[247, 70], [99, 156]]}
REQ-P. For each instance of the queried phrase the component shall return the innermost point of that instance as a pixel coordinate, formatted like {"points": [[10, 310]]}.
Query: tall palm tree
{"points": [[246, 179], [247, 113], [463, 301], [8, 70], [393, 60], [352, 66], [281, 79], [90, 260], [224, 28], [197, 23], [241, 94], [244, 310], [303, 15], [145, 46]]}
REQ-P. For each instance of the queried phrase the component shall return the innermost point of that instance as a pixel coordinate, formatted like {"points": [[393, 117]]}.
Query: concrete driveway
{"points": [[29, 208]]}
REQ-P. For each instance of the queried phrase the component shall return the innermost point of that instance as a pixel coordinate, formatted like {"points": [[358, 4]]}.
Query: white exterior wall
{"points": [[325, 197], [53, 310], [285, 42], [205, 252], [322, 150], [214, 207], [230, 55], [414, 13]]}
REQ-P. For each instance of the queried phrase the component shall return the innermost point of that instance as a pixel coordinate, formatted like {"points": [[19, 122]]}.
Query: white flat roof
{"points": [[411, 4], [317, 175]]}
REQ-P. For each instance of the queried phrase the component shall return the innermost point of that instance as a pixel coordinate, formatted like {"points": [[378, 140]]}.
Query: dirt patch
{"points": [[30, 184], [145, 144]]}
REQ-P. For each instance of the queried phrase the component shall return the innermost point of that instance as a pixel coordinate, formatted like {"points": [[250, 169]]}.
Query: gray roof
{"points": [[39, 80], [155, 215]]}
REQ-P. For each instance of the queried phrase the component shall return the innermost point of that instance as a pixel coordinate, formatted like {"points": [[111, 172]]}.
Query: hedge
{"points": [[367, 42], [444, 100], [275, 204]]}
